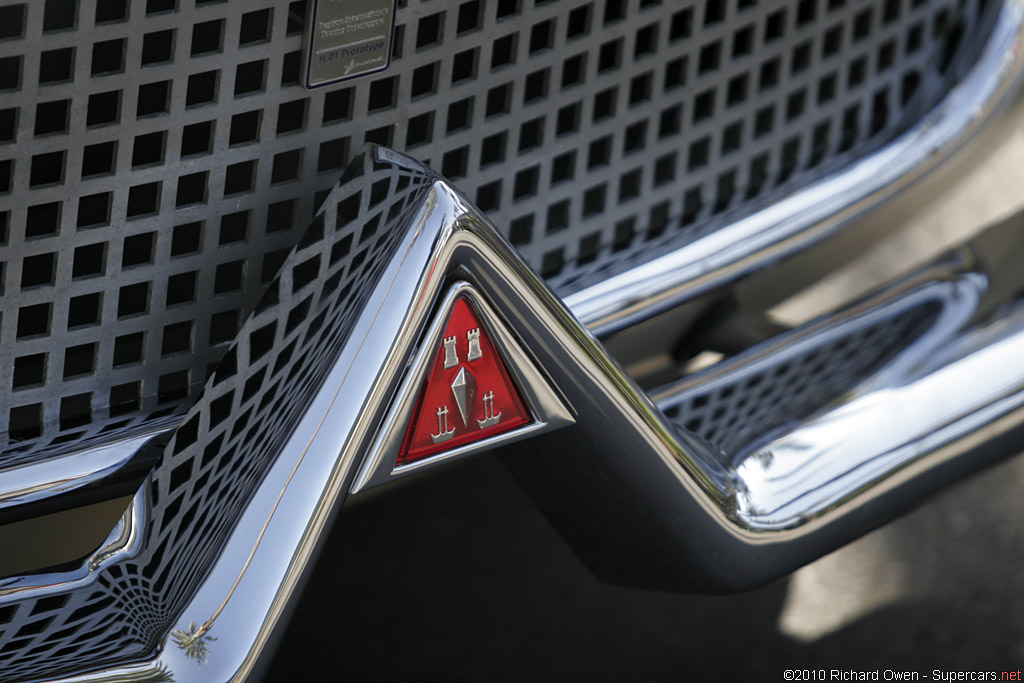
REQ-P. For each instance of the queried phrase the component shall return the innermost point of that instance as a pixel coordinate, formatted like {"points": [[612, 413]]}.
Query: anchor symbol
{"points": [[490, 419], [443, 433]]}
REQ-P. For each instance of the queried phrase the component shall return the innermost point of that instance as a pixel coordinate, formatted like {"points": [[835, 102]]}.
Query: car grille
{"points": [[158, 158]]}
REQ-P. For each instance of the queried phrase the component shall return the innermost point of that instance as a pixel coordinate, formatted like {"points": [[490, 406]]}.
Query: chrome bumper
{"points": [[197, 576]]}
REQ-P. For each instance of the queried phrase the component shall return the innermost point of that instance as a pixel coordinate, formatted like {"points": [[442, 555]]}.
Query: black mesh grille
{"points": [[157, 157]]}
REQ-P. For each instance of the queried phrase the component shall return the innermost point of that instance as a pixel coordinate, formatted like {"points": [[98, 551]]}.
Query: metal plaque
{"points": [[346, 39]]}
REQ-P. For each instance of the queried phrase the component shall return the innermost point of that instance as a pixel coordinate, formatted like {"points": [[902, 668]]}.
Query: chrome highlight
{"points": [[811, 215], [124, 541], [35, 482]]}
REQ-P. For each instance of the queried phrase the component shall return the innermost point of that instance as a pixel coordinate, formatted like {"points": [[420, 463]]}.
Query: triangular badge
{"points": [[469, 388]]}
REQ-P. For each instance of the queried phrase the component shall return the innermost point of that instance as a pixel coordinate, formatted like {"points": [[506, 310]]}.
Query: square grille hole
{"points": [[224, 326], [125, 398], [499, 100], [197, 139], [420, 130], [492, 149], [79, 360], [424, 80], [428, 30], [133, 300], [56, 66], [503, 51], [26, 422], [239, 178], [43, 220], [186, 239], [111, 11], [52, 117], [234, 227], [250, 77], [464, 65], [108, 57], [75, 411], [255, 27], [154, 98], [177, 338], [33, 321], [245, 127], [29, 371], [47, 169], [191, 189], [469, 17], [143, 200], [280, 216], [338, 106], [89, 260], [84, 310], [181, 288], [172, 387], [8, 124], [579, 22], [94, 210], [138, 249], [333, 155], [454, 164], [563, 167], [59, 15], [202, 88], [382, 94], [158, 47], [6, 175], [38, 270], [286, 166], [99, 159], [229, 277], [148, 149], [531, 134], [10, 73], [128, 349], [521, 230], [104, 108], [206, 37], [291, 116]]}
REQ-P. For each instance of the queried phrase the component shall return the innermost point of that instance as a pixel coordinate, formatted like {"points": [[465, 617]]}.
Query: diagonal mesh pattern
{"points": [[775, 391], [228, 438], [158, 156]]}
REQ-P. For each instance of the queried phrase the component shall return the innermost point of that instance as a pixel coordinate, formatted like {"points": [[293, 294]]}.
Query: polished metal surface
{"points": [[805, 218], [124, 541], [99, 465]]}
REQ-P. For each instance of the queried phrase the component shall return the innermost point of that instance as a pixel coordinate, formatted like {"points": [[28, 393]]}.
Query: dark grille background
{"points": [[158, 157]]}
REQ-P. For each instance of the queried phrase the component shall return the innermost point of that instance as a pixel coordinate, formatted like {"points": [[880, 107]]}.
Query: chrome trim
{"points": [[815, 213], [123, 541], [39, 481]]}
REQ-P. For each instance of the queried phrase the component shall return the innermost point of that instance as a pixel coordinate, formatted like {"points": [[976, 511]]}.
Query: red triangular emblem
{"points": [[467, 396]]}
